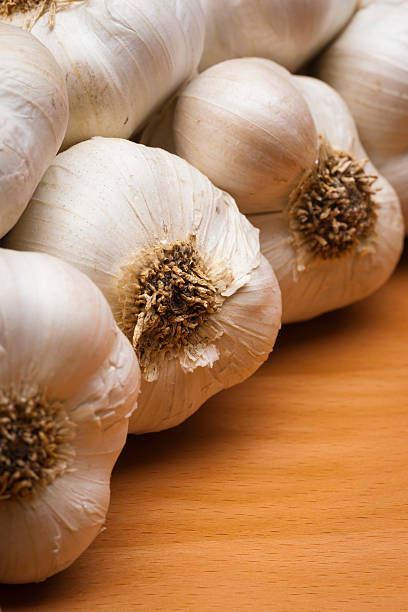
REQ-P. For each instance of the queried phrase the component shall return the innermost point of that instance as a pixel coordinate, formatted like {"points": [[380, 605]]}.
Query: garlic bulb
{"points": [[68, 381], [367, 234], [121, 58], [287, 146], [287, 31], [367, 65], [33, 118], [179, 265]]}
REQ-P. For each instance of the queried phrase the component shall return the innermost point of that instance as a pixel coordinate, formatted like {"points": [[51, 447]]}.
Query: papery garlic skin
{"points": [[57, 334], [289, 32], [33, 118], [367, 65], [244, 124], [324, 285], [103, 204], [121, 59]]}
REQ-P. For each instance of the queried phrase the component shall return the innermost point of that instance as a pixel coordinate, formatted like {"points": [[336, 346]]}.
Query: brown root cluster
{"points": [[10, 7], [165, 296], [332, 210], [35, 436]]}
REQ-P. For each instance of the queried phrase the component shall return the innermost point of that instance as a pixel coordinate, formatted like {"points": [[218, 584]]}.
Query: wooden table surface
{"points": [[286, 493]]}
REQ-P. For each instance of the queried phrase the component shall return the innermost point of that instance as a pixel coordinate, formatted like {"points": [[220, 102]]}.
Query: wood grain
{"points": [[286, 493]]}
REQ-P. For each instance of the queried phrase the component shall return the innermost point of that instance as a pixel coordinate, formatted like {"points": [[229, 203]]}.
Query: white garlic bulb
{"points": [[289, 32], [311, 281], [288, 147], [68, 382], [121, 58], [367, 64], [33, 118], [179, 265]]}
